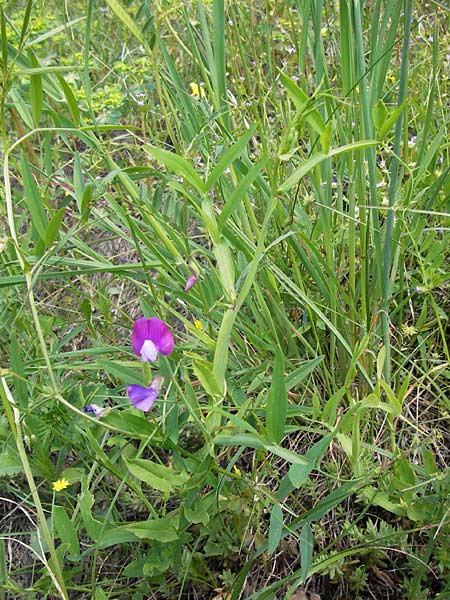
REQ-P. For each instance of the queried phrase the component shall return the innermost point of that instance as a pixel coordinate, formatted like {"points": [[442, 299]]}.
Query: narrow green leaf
{"points": [[25, 22], [297, 376], [316, 159], [120, 11], [18, 369], [391, 119], [36, 93], [4, 42], [277, 401], [33, 200], [275, 528], [178, 165], [306, 550], [71, 100], [239, 192], [229, 156], [53, 227], [248, 440], [66, 531], [303, 104]]}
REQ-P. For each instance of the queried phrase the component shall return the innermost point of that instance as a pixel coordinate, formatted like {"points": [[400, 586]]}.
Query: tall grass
{"points": [[299, 440]]}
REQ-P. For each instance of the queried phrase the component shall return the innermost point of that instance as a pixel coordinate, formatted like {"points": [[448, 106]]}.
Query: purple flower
{"points": [[94, 409], [149, 337], [142, 397], [191, 281]]}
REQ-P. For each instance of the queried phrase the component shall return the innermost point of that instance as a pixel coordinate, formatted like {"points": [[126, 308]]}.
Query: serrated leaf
{"points": [[10, 463]]}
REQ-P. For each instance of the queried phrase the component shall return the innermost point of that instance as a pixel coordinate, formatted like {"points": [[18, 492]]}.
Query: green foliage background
{"points": [[294, 156]]}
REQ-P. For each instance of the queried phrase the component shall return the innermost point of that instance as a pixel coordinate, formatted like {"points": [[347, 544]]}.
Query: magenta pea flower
{"points": [[149, 337], [142, 397]]}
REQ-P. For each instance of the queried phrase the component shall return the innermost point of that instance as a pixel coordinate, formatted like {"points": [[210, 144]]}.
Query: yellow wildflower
{"points": [[60, 484], [198, 325], [408, 330], [391, 78], [324, 31], [197, 91]]}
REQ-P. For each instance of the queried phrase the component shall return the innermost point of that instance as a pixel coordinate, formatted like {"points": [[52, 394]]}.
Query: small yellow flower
{"points": [[324, 31], [60, 484], [408, 330], [198, 325], [391, 78], [197, 91]]}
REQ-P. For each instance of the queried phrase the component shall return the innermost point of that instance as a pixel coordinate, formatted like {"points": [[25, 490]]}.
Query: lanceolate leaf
{"points": [[178, 165], [277, 401]]}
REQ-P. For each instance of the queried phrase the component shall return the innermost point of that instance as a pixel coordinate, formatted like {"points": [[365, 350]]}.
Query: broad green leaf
{"points": [[196, 514], [298, 474], [10, 463], [157, 476], [178, 165], [277, 401], [225, 266], [66, 531], [161, 530], [229, 156], [86, 502], [124, 374], [203, 371], [275, 528], [379, 114], [306, 550]]}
